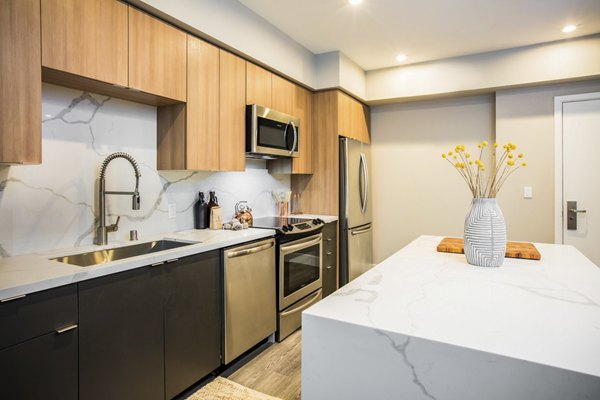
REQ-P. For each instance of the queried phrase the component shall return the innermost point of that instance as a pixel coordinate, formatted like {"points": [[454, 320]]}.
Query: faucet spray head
{"points": [[135, 201]]}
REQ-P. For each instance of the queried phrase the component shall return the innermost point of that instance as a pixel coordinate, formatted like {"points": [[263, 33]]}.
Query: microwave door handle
{"points": [[295, 136], [285, 134]]}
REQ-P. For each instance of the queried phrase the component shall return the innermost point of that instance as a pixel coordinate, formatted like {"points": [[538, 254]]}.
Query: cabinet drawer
{"points": [[41, 368], [36, 314]]}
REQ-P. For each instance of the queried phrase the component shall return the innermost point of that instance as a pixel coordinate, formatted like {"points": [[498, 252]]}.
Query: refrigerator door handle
{"points": [[361, 231], [365, 172]]}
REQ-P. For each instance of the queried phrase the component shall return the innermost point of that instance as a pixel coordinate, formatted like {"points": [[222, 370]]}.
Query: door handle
{"points": [[365, 174], [66, 329], [361, 231], [295, 137], [311, 242], [314, 298], [572, 212], [253, 250]]}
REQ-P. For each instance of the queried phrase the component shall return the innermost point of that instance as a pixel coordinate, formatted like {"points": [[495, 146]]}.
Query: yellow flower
{"points": [[467, 155], [512, 146], [478, 146], [470, 162], [510, 156], [524, 164], [521, 155], [454, 157], [484, 143], [495, 144], [510, 163], [449, 153], [444, 155]]}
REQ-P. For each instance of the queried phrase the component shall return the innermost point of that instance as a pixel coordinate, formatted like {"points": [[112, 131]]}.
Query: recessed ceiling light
{"points": [[355, 2], [401, 57], [569, 28]]}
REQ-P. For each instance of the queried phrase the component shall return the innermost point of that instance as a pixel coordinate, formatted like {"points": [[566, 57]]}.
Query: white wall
{"points": [[577, 58], [526, 117], [52, 205], [415, 191]]}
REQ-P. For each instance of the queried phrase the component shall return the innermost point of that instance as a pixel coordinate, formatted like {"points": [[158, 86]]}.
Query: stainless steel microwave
{"points": [[271, 134]]}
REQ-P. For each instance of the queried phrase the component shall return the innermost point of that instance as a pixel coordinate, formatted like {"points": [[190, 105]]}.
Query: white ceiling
{"points": [[374, 32]]}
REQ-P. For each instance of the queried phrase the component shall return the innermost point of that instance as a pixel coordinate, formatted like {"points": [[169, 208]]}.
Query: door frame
{"points": [[559, 102]]}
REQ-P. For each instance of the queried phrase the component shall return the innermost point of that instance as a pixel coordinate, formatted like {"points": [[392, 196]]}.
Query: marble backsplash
{"points": [[52, 205]]}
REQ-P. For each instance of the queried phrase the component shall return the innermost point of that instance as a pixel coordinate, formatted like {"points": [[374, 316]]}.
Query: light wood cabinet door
{"points": [[202, 131], [353, 118], [232, 116], [258, 85], [87, 38], [283, 95], [157, 56], [20, 82], [303, 110]]}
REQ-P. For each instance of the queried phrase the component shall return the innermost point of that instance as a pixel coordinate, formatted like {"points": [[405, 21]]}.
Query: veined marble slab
{"points": [[35, 272], [427, 325]]}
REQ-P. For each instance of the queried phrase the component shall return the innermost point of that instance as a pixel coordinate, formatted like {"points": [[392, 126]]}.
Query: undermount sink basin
{"points": [[119, 253]]}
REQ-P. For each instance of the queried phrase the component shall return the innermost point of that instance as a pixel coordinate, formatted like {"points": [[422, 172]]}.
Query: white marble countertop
{"points": [[34, 272], [546, 312]]}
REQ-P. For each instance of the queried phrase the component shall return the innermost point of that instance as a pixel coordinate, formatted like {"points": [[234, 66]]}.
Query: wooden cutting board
{"points": [[513, 249]]}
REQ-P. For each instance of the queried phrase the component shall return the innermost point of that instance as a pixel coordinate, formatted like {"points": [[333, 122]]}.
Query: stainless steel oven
{"points": [[300, 280], [299, 267]]}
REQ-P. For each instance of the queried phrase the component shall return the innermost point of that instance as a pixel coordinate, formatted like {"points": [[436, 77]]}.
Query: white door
{"points": [[581, 173]]}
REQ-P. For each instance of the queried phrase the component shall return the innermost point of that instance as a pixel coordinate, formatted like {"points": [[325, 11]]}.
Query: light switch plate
{"points": [[172, 210], [528, 192]]}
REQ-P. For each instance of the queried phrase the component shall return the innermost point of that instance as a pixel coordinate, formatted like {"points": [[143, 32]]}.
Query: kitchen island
{"points": [[427, 325]]}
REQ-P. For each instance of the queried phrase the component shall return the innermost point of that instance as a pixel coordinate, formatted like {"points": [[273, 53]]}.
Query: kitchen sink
{"points": [[119, 253]]}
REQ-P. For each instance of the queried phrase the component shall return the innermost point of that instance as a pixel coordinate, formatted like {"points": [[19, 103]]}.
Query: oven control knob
{"points": [[320, 221], [284, 228], [290, 227], [315, 221]]}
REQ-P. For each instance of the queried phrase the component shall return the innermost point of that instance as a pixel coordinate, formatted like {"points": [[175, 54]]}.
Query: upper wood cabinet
{"points": [[157, 56], [87, 38], [258, 85], [353, 118], [20, 82], [232, 112], [283, 95], [303, 109]]}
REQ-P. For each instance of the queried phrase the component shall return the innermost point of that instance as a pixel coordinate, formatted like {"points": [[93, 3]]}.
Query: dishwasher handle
{"points": [[252, 250]]}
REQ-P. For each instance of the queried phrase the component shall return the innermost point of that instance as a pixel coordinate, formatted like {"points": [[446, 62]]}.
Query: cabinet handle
{"points": [[329, 239], [329, 253], [12, 298], [157, 264], [329, 267], [66, 329], [172, 261]]}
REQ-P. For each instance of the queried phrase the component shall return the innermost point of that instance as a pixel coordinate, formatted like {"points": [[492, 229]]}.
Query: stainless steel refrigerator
{"points": [[356, 235]]}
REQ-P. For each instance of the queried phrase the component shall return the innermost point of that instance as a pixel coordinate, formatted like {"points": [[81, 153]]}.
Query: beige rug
{"points": [[224, 389]]}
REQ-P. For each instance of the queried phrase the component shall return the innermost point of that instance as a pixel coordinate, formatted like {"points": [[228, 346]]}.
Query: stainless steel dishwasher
{"points": [[250, 296]]}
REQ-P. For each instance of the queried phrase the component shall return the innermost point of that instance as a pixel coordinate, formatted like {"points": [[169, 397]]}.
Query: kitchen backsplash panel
{"points": [[52, 205]]}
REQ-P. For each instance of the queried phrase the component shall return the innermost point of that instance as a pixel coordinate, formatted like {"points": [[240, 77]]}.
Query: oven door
{"points": [[300, 265]]}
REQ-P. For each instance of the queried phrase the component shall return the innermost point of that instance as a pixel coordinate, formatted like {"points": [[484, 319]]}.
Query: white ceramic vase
{"points": [[485, 234]]}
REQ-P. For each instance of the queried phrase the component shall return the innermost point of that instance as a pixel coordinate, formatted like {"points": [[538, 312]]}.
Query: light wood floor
{"points": [[275, 371]]}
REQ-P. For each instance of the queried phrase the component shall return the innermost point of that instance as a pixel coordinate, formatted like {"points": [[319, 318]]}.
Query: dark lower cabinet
{"points": [[38, 345], [40, 368], [151, 332], [192, 320], [121, 345]]}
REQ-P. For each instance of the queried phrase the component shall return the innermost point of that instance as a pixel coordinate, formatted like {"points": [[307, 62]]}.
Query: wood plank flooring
{"points": [[275, 371]]}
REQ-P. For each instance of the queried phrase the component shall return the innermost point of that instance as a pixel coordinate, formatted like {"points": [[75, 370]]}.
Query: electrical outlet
{"points": [[172, 210], [528, 192]]}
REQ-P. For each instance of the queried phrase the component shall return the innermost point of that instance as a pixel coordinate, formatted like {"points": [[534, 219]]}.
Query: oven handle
{"points": [[287, 249], [252, 250], [304, 306]]}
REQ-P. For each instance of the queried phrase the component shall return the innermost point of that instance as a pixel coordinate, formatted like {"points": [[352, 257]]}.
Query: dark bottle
{"points": [[201, 213], [212, 200]]}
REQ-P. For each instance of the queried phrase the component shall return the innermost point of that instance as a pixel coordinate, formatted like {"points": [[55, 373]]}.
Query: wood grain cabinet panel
{"points": [[20, 82], [283, 95], [232, 116], [87, 38], [258, 85], [202, 131], [303, 110], [157, 56]]}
